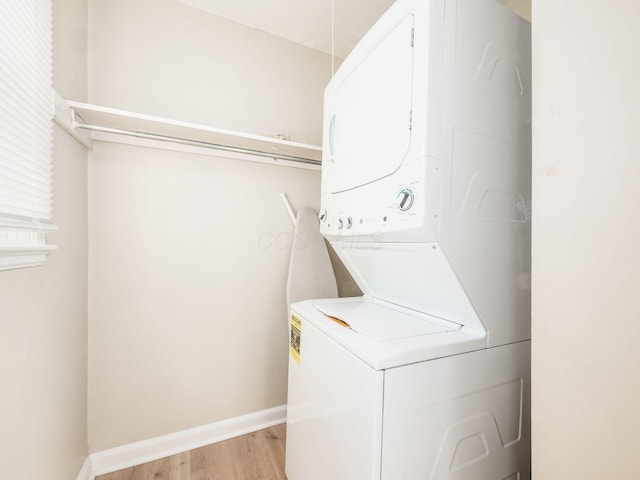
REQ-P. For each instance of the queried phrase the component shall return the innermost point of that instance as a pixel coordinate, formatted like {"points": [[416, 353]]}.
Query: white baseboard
{"points": [[108, 461], [86, 472]]}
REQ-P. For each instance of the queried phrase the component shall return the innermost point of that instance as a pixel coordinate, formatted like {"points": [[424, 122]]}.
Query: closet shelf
{"points": [[96, 118]]}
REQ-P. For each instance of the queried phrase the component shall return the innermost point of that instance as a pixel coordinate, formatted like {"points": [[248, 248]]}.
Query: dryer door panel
{"points": [[368, 125]]}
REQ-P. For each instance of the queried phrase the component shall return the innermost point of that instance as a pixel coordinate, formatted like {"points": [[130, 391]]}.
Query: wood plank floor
{"points": [[258, 455]]}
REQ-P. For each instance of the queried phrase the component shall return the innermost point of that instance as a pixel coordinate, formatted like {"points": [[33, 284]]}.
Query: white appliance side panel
{"points": [[490, 197], [334, 412], [459, 418], [485, 223]]}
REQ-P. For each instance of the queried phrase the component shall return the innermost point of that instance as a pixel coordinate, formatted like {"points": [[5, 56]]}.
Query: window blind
{"points": [[26, 111]]}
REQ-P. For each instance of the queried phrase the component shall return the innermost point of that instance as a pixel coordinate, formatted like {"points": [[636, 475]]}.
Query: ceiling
{"points": [[308, 22]]}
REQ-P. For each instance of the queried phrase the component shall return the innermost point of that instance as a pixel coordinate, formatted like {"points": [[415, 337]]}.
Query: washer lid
{"points": [[383, 322], [388, 335]]}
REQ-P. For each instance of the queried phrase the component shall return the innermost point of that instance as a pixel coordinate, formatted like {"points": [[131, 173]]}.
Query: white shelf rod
{"points": [[196, 143]]}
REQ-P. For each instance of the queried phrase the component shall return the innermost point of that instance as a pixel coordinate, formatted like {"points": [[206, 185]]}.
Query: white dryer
{"points": [[426, 193]]}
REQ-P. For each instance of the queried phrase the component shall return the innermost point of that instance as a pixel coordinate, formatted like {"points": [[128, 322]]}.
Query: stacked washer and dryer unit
{"points": [[426, 194]]}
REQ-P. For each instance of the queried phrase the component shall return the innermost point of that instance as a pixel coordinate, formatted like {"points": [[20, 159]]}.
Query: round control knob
{"points": [[323, 216], [340, 224], [349, 222], [405, 199]]}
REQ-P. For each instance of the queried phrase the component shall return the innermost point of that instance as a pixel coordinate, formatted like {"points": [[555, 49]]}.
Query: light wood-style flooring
{"points": [[258, 455]]}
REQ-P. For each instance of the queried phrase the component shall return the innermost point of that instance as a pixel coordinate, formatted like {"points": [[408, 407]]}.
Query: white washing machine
{"points": [[426, 191]]}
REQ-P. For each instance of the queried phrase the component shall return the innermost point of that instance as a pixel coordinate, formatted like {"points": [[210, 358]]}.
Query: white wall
{"points": [[43, 310], [586, 239], [189, 253]]}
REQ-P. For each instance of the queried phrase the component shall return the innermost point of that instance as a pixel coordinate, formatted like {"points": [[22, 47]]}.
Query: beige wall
{"points": [[162, 57], [586, 239], [43, 310], [43, 325], [189, 253], [188, 264], [521, 7]]}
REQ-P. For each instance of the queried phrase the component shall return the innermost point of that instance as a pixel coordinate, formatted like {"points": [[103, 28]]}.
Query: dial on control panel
{"points": [[405, 199]]}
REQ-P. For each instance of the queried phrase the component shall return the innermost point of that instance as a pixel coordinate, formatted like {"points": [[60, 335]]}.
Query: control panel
{"points": [[400, 203]]}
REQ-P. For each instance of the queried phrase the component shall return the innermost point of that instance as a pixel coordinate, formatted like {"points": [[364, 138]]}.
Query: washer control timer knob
{"points": [[323, 215], [349, 223], [340, 224], [405, 199]]}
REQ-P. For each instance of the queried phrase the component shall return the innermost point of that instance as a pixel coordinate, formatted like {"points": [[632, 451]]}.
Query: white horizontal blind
{"points": [[26, 110]]}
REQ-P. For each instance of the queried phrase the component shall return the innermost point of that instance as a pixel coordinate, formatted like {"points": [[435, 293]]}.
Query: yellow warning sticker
{"points": [[296, 333]]}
